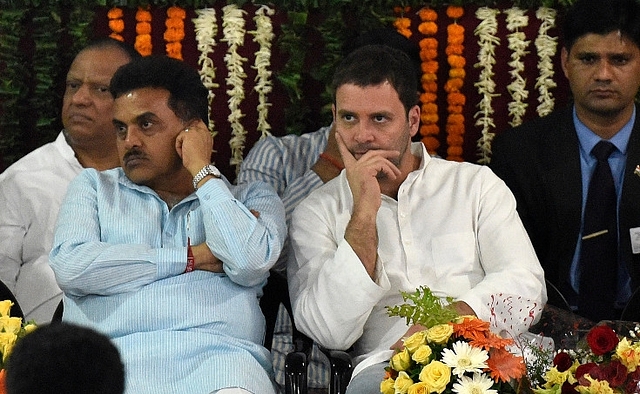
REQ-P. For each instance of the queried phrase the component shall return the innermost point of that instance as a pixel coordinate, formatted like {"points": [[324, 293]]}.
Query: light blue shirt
{"points": [[119, 255], [617, 162]]}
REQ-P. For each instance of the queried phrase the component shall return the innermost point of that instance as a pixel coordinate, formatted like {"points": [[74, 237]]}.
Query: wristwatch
{"points": [[209, 169]]}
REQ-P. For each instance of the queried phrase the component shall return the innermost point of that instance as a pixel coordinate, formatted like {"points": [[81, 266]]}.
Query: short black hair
{"points": [[108, 42], [372, 65], [389, 37], [64, 358], [601, 17], [188, 97]]}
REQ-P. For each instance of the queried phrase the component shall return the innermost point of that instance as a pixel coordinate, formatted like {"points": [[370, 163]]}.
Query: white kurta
{"points": [[31, 192], [454, 228]]}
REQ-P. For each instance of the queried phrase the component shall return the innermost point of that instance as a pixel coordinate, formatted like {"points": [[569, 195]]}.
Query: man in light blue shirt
{"points": [[164, 255]]}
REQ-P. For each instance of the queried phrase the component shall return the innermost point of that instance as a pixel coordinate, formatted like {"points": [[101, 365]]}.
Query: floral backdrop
{"points": [[486, 65]]}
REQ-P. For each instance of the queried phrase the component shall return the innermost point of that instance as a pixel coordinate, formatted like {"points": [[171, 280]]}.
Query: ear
{"points": [[414, 119], [564, 56]]}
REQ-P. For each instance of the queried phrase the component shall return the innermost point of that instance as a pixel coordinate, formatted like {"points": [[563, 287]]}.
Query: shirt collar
{"points": [[588, 139]]}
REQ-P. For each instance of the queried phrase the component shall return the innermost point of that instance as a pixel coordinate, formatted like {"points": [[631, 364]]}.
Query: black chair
{"points": [[631, 311], [555, 297], [6, 294], [57, 314], [296, 363]]}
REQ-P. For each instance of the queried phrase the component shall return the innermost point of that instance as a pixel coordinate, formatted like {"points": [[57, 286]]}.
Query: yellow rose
{"points": [[628, 354], [30, 328], [436, 375], [401, 361], [439, 334], [386, 386], [415, 340], [10, 324], [419, 388], [5, 307], [422, 355], [402, 383], [7, 338], [595, 387], [6, 350]]}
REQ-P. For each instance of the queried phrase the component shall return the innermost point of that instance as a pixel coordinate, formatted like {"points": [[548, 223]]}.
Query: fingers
{"points": [[347, 158], [194, 145]]}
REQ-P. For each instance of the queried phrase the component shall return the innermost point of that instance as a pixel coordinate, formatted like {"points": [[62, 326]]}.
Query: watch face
{"points": [[213, 170]]}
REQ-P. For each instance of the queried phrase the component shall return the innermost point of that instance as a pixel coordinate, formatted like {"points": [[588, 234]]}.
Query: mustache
{"points": [[134, 153]]}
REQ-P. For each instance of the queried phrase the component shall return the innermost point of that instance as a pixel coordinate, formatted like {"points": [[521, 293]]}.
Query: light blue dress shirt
{"points": [[119, 255], [617, 162]]}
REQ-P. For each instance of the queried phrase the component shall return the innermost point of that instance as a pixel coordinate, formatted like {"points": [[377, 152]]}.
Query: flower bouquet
{"points": [[602, 363], [11, 330], [454, 354]]}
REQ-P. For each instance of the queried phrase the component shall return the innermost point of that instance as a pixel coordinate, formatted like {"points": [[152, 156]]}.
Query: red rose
{"points": [[602, 339], [568, 388], [583, 370], [562, 361], [617, 373]]}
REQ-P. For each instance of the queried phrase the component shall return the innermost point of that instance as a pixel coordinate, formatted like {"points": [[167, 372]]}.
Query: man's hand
{"points": [[362, 174], [194, 145], [205, 260]]}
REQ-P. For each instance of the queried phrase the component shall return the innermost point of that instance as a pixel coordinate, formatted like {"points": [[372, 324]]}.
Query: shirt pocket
{"points": [[456, 260]]}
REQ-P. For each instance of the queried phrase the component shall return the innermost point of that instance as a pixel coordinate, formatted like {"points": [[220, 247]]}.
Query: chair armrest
{"points": [[295, 373], [341, 367]]}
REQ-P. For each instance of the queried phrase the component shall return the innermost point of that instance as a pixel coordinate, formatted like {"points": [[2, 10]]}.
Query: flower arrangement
{"points": [[516, 20], [116, 24], [233, 28], [402, 23], [488, 40], [546, 47], [602, 363], [428, 55], [264, 36], [143, 32], [454, 354], [455, 98], [11, 330], [206, 30], [175, 31]]}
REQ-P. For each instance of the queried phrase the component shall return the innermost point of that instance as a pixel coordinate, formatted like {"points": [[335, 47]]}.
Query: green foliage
{"points": [[427, 310]]}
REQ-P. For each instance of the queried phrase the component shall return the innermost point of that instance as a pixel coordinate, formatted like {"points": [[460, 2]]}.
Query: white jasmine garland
{"points": [[264, 36], [546, 47], [516, 19], [487, 40], [206, 29], [234, 33]]}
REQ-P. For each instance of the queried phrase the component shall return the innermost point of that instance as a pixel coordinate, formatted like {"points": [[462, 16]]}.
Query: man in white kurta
{"points": [[397, 219], [32, 189]]}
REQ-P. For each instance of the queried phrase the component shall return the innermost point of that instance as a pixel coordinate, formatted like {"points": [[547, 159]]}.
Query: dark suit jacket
{"points": [[540, 162]]}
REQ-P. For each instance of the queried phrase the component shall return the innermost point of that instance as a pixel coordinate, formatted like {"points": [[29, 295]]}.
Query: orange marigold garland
{"points": [[402, 23], [116, 24], [455, 99], [143, 32], [429, 128], [175, 31]]}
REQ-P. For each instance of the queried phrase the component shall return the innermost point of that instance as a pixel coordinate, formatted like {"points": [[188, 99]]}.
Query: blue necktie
{"points": [[599, 252]]}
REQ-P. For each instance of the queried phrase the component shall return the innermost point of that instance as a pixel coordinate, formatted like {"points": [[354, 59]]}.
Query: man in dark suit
{"points": [[548, 162]]}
